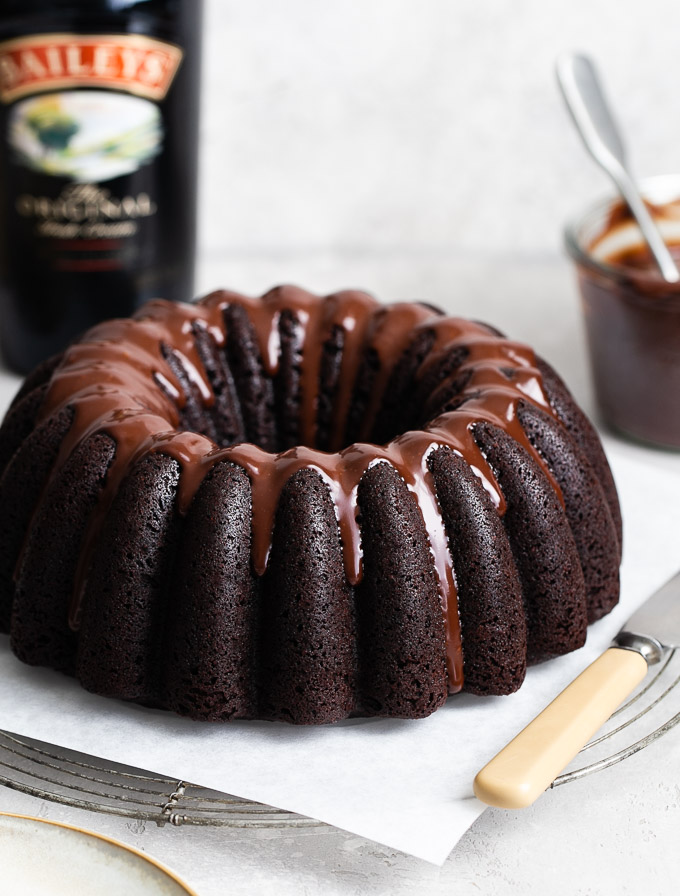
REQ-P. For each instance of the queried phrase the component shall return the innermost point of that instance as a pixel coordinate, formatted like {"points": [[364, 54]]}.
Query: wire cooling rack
{"points": [[85, 782]]}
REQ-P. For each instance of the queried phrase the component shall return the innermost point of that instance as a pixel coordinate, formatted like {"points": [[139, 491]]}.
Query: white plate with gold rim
{"points": [[38, 857]]}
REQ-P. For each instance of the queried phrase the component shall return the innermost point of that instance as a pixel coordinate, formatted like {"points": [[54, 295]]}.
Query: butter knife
{"points": [[523, 769]]}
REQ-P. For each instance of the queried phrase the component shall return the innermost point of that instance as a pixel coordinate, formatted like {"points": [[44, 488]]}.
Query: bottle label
{"points": [[133, 63], [83, 135], [88, 136]]}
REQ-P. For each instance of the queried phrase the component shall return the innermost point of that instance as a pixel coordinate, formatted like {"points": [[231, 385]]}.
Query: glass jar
{"points": [[632, 315]]}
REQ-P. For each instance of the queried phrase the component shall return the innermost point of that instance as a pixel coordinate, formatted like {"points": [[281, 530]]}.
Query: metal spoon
{"points": [[586, 102]]}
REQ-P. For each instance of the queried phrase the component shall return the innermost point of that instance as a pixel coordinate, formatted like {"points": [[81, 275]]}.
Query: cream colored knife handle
{"points": [[529, 764]]}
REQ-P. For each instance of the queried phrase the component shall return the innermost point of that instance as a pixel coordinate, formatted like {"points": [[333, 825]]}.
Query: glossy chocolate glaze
{"points": [[117, 381]]}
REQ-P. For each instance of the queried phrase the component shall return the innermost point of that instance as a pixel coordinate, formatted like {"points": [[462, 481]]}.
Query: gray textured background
{"points": [[429, 127]]}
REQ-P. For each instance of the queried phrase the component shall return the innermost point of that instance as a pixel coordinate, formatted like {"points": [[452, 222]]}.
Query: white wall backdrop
{"points": [[431, 127]]}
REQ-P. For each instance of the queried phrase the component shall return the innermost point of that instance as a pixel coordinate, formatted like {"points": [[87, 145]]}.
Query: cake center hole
{"points": [[311, 405]]}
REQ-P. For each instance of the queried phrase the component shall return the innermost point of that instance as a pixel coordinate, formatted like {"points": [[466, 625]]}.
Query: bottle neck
{"points": [[33, 7], [169, 19]]}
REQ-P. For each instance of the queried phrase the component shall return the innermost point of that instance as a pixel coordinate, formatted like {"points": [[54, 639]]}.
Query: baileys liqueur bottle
{"points": [[98, 161]]}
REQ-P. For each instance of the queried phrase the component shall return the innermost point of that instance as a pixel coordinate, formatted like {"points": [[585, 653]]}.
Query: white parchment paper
{"points": [[406, 784]]}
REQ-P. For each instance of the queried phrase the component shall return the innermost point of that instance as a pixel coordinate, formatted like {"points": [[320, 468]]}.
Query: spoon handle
{"points": [[590, 111]]}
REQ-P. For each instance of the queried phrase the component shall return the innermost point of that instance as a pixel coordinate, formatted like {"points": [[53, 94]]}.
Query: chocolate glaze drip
{"points": [[118, 381]]}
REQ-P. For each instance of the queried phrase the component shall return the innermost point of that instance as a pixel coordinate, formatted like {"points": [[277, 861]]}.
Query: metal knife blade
{"points": [[655, 624]]}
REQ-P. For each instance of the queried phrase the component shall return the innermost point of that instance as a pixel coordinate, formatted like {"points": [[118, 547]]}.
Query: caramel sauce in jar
{"points": [[632, 318]]}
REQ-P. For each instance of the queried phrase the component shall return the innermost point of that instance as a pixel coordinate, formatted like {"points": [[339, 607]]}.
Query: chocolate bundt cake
{"points": [[300, 508]]}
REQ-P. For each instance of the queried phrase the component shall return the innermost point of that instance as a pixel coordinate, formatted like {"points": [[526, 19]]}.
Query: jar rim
{"points": [[659, 189]]}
